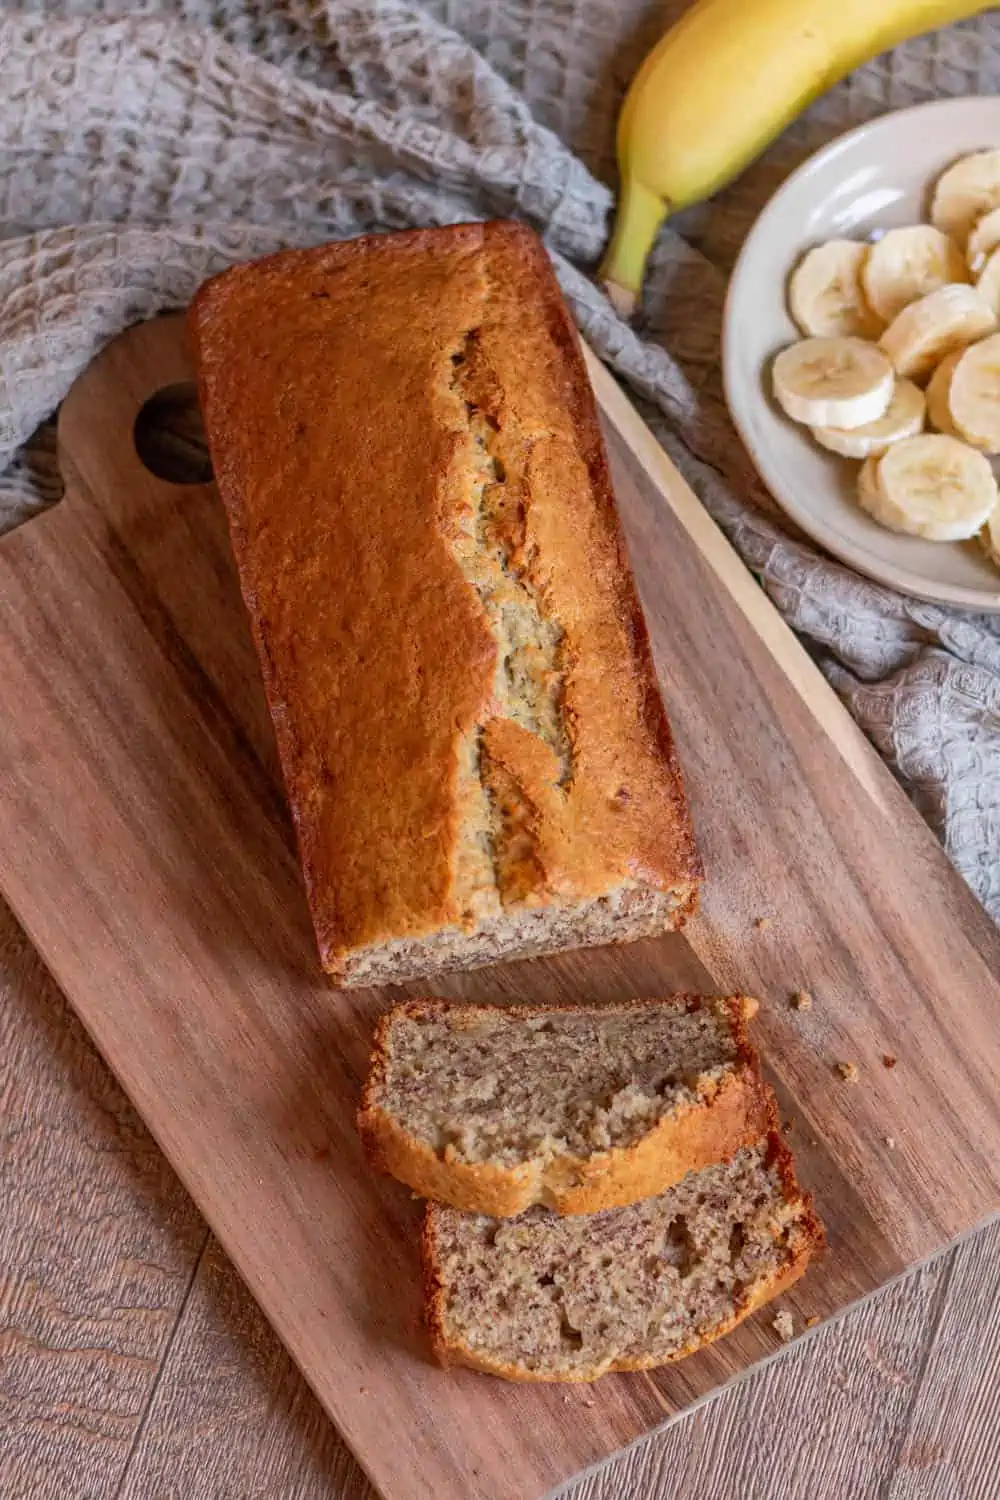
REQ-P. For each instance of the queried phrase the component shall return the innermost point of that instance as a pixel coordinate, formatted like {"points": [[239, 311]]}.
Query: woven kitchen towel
{"points": [[144, 146]]}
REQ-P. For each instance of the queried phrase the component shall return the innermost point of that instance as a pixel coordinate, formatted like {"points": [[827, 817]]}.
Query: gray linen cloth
{"points": [[144, 146]]}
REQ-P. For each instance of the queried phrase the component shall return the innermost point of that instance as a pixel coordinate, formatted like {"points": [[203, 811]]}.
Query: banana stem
{"points": [[640, 214]]}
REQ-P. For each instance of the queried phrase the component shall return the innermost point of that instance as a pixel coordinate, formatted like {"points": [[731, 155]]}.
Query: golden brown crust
{"points": [[434, 1294], [808, 1242], [724, 1119], [326, 379]]}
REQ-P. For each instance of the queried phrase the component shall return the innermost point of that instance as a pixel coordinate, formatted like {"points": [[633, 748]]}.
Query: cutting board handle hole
{"points": [[169, 436]]}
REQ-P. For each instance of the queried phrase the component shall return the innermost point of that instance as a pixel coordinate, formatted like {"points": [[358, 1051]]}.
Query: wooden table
{"points": [[134, 1365]]}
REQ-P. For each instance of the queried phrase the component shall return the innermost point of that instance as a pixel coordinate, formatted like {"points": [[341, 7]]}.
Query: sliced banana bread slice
{"points": [[547, 1298], [493, 1109]]}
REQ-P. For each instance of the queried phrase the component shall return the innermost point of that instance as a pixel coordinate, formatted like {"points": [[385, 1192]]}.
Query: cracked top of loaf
{"points": [[468, 721]]}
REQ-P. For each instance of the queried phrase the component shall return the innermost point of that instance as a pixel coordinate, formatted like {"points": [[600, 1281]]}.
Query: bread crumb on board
{"points": [[888, 1061], [801, 1000], [783, 1325], [762, 923], [811, 1322], [890, 1141], [848, 1071]]}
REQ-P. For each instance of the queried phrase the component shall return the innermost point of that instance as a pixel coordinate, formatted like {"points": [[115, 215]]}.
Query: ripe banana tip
{"points": [[638, 219], [621, 298]]}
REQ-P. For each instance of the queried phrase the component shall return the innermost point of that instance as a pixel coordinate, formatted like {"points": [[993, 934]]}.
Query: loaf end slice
{"points": [[542, 1297], [625, 915], [579, 1108]]}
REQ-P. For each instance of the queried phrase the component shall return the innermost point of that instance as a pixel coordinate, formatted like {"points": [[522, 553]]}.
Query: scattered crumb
{"points": [[848, 1071], [567, 1400], [814, 1142], [762, 923], [362, 1390], [890, 1141], [811, 1322], [789, 1125], [802, 1000], [921, 1454], [888, 1061], [783, 1325]]}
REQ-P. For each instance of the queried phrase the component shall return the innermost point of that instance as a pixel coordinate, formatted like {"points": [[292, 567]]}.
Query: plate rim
{"points": [[850, 554]]}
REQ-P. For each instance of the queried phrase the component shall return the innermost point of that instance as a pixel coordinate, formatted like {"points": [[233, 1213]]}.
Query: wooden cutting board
{"points": [[144, 845]]}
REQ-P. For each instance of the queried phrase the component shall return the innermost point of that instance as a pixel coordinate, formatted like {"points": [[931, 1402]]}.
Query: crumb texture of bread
{"points": [[542, 1297], [475, 750], [493, 1109], [784, 1325]]}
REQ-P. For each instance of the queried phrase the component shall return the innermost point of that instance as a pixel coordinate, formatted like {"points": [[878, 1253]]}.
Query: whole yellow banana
{"points": [[723, 82]]}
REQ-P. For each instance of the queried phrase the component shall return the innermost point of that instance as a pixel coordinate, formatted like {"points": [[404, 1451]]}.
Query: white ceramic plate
{"points": [[876, 177]]}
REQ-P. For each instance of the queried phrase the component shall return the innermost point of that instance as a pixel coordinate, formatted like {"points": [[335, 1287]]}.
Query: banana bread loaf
{"points": [[542, 1297], [493, 1109], [476, 755]]}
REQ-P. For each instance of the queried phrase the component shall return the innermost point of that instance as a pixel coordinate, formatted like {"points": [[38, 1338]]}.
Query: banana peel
{"points": [[720, 86]]}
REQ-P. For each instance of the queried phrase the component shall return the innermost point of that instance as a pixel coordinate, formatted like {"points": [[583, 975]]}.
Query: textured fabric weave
{"points": [[144, 146]]}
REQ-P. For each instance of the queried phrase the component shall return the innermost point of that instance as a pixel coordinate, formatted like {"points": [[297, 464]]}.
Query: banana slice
{"points": [[990, 536], [988, 283], [868, 484], [968, 190], [931, 486], [983, 240], [939, 395], [904, 418], [825, 294], [908, 263], [836, 382], [974, 395], [924, 332]]}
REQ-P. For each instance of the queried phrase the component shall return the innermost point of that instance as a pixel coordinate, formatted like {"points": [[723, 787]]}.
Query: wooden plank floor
{"points": [[135, 1366], [155, 706]]}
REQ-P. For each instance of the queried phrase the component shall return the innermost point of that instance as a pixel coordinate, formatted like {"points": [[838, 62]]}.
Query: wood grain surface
{"points": [[144, 845], [896, 1399]]}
